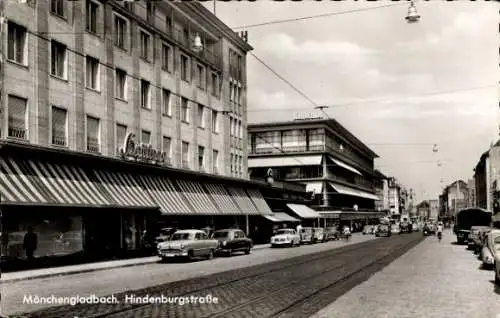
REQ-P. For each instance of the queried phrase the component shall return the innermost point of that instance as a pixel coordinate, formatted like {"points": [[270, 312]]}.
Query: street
{"points": [[293, 287], [130, 278], [432, 280]]}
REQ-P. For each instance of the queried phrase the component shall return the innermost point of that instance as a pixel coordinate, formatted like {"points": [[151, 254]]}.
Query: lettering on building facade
{"points": [[142, 152], [307, 116]]}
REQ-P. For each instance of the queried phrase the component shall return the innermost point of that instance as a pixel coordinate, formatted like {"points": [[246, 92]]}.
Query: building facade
{"points": [[115, 119], [455, 198], [433, 209], [481, 181], [336, 167], [471, 200], [382, 192]]}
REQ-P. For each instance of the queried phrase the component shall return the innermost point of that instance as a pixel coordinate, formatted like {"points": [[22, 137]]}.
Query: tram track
{"points": [[245, 289]]}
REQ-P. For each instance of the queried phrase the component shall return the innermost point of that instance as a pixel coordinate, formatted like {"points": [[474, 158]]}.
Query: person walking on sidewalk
{"points": [[30, 243]]}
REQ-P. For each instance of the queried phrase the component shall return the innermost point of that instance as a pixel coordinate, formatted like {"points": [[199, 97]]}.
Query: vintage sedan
{"points": [[395, 229], [189, 244], [306, 235], [232, 240], [368, 229], [488, 250], [285, 237], [383, 230]]}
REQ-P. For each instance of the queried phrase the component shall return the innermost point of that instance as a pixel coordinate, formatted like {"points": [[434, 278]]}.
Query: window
{"points": [[150, 11], [237, 97], [92, 75], [57, 7], [185, 154], [294, 140], [316, 139], [145, 137], [231, 127], [18, 127], [166, 105], [240, 131], [145, 95], [58, 59], [145, 38], [201, 116], [184, 110], [166, 57], [121, 133], [92, 8], [168, 24], [59, 126], [120, 31], [215, 85], [241, 165], [16, 41], [200, 71], [215, 161], [121, 84], [231, 92], [215, 121], [201, 158], [268, 142], [93, 134], [184, 68], [232, 163], [167, 146]]}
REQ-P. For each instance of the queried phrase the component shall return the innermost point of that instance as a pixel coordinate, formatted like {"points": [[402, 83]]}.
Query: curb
{"points": [[89, 270]]}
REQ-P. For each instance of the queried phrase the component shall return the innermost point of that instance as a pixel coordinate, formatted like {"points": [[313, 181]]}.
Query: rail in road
{"points": [[296, 287]]}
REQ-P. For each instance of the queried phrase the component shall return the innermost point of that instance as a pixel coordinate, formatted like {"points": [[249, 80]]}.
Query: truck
{"points": [[468, 218]]}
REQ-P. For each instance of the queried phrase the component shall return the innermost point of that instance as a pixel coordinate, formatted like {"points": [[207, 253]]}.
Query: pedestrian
{"points": [[30, 243]]}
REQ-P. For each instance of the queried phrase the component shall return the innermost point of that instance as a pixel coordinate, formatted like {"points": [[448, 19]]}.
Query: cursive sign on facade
{"points": [[141, 152]]}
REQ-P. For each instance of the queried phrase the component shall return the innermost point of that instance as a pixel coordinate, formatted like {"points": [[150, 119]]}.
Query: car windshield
{"points": [[221, 234], [382, 227], [165, 232], [281, 232], [180, 236]]}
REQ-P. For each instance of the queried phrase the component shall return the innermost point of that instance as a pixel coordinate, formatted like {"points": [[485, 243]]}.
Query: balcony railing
{"points": [[92, 144], [294, 149], [18, 132], [59, 140]]}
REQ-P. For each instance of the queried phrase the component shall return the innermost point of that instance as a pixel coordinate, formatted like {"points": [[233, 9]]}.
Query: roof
{"points": [[379, 174], [189, 231], [330, 123]]}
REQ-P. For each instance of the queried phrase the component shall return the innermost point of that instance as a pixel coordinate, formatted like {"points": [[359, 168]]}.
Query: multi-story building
{"points": [[423, 210], [382, 192], [471, 198], [126, 107], [394, 197], [433, 209], [487, 177], [336, 167], [455, 197]]}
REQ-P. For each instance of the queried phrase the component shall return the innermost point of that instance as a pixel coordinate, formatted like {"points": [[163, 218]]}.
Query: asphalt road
{"points": [[295, 287], [117, 280]]}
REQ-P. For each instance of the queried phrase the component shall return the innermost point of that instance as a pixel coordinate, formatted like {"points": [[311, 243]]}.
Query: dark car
{"points": [[232, 240], [383, 230]]}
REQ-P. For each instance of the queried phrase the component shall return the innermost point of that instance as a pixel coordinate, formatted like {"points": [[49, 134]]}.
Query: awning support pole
{"points": [[247, 225]]}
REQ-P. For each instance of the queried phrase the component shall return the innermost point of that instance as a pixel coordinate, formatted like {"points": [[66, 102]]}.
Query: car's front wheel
{"points": [[247, 251], [210, 254]]}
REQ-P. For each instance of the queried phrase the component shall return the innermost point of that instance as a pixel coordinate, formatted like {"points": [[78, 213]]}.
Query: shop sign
{"points": [[141, 152], [306, 116]]}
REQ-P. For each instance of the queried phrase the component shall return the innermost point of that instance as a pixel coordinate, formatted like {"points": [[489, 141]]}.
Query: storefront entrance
{"points": [[102, 234]]}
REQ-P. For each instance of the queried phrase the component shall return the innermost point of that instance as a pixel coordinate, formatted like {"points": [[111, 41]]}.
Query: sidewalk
{"points": [[85, 268]]}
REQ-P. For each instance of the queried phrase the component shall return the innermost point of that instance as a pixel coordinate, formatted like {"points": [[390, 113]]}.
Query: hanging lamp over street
{"points": [[413, 15]]}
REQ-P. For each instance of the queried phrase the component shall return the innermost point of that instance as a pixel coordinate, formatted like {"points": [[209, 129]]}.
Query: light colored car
{"points": [[285, 237], [415, 227], [319, 234], [306, 235], [368, 229], [395, 229], [496, 256], [189, 244], [488, 249]]}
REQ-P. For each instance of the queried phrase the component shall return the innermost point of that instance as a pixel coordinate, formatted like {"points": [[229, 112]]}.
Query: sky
{"points": [[398, 87]]}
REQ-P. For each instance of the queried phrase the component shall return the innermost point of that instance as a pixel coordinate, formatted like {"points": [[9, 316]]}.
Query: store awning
{"points": [[316, 187], [124, 189], [163, 192], [18, 186], [222, 198], [243, 201], [303, 211], [279, 217], [67, 184], [353, 192], [199, 199], [284, 161], [345, 166], [259, 201]]}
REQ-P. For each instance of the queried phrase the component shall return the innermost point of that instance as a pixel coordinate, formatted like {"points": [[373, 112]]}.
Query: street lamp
{"points": [[413, 15]]}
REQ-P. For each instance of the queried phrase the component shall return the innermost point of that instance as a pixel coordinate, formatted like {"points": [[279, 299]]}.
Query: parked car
{"points": [[331, 234], [405, 227], [488, 250], [383, 230], [232, 240], [481, 239], [496, 257], [395, 229], [189, 244], [318, 235], [306, 235], [368, 229], [165, 234], [285, 237], [415, 227]]}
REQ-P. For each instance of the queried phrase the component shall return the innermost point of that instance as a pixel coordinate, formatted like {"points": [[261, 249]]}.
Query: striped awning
{"points": [[165, 195], [124, 189], [243, 201], [19, 185], [353, 192], [303, 211], [199, 199], [223, 199], [259, 201], [68, 184]]}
